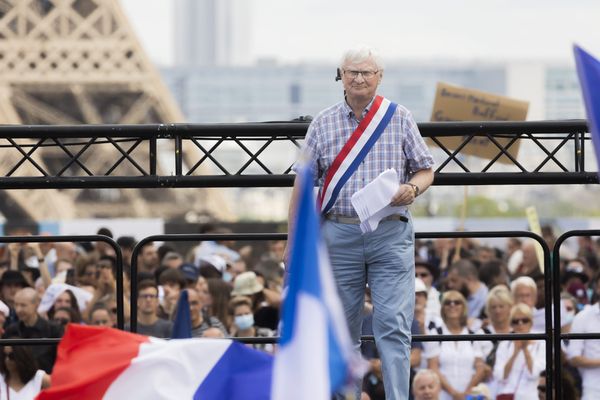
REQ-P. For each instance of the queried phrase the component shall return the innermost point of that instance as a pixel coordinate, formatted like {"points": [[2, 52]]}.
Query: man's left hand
{"points": [[404, 196]]}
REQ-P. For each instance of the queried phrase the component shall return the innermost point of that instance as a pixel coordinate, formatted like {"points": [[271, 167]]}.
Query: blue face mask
{"points": [[226, 276], [244, 322]]}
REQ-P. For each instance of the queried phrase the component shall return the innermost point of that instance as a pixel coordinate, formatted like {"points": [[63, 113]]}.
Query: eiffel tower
{"points": [[79, 62]]}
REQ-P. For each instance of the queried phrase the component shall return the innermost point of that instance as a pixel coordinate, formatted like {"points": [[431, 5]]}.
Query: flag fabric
{"points": [[182, 326], [315, 356], [588, 70], [105, 363]]}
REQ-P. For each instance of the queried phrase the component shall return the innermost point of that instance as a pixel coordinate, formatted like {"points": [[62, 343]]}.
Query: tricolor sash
{"points": [[355, 150]]}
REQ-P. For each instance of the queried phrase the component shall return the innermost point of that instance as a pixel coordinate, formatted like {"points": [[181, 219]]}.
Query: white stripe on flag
{"points": [[301, 369], [168, 370], [358, 146]]}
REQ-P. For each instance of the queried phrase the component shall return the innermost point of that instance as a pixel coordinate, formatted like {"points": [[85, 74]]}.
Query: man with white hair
{"points": [[348, 146], [426, 385], [524, 290]]}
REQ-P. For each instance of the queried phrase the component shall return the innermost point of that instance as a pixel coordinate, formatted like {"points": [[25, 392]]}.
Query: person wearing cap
{"points": [[585, 354], [265, 302], [191, 274], [429, 274]]}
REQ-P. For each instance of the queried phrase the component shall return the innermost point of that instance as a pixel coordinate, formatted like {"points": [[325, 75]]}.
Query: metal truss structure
{"points": [[70, 62]]}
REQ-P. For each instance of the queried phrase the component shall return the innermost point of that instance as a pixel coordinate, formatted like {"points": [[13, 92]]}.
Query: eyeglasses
{"points": [[10, 356], [542, 388], [453, 303], [147, 296], [422, 274], [517, 321], [365, 74]]}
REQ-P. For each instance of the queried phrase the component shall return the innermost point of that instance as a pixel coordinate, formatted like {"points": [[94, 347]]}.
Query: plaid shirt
{"points": [[400, 147]]}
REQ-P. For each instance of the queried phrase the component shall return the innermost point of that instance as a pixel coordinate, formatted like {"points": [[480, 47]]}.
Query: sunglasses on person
{"points": [[519, 321], [453, 303]]}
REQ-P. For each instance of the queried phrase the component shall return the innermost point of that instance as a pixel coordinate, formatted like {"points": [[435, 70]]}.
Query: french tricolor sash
{"points": [[355, 150]]}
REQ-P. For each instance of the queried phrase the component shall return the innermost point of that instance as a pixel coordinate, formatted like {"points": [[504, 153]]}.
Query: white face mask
{"points": [[244, 322], [567, 317]]}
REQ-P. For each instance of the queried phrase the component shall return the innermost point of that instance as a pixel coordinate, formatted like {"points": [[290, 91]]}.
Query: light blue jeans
{"points": [[385, 260]]}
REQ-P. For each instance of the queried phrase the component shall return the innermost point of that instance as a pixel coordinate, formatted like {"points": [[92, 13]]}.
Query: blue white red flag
{"points": [[315, 356], [588, 69], [355, 150], [103, 363]]}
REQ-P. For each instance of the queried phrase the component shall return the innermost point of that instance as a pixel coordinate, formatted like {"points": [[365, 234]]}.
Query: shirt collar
{"points": [[348, 111]]}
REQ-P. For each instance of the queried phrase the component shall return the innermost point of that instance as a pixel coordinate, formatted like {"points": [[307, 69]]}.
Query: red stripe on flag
{"points": [[89, 359], [335, 165]]}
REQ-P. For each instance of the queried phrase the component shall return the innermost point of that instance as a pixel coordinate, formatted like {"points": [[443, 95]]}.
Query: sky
{"points": [[295, 31]]}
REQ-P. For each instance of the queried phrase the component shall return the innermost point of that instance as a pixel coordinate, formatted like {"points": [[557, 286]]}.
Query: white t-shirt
{"points": [[457, 360], [587, 321], [27, 392], [520, 381]]}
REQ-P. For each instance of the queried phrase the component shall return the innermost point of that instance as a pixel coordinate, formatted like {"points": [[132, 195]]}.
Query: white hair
{"points": [[360, 54], [426, 372], [522, 281]]}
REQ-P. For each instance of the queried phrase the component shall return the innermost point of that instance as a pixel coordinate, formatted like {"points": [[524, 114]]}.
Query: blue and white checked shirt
{"points": [[400, 147]]}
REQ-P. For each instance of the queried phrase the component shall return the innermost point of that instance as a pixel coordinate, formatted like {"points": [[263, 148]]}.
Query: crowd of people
{"points": [[235, 292]]}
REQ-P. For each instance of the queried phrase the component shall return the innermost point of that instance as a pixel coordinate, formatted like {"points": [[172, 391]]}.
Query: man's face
{"points": [[424, 274], [149, 256], [360, 87], [25, 307], [148, 300], [426, 388], [525, 294]]}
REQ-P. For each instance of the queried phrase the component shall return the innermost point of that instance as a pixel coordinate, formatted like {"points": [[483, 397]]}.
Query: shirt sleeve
{"points": [[575, 347], [309, 153], [417, 153]]}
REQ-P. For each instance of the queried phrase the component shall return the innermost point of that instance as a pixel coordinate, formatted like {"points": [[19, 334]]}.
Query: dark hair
{"points": [[112, 260], [490, 271], [127, 242], [220, 291], [105, 232], [172, 275], [465, 268], [74, 315], [145, 284], [163, 250], [74, 306], [26, 364]]}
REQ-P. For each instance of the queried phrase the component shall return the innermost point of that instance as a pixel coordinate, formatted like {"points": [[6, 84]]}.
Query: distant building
{"points": [[212, 32]]}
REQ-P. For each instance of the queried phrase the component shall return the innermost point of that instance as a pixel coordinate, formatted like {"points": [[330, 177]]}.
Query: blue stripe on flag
{"points": [[588, 69], [241, 373], [361, 155], [182, 327]]}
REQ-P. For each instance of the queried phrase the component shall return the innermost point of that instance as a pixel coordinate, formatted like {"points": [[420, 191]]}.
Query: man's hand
{"points": [[404, 196]]}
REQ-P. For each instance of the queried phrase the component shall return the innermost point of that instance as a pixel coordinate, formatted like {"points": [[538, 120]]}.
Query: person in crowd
{"points": [[100, 316], [191, 273], [429, 274], [223, 248], [464, 277], [460, 364], [493, 273], [426, 385], [31, 325], [585, 354], [525, 290], [127, 244], [214, 333], [243, 324], [65, 315], [390, 259], [497, 308], [576, 271], [201, 321], [148, 258], [172, 260], [265, 302], [20, 378], [218, 301], [513, 255], [172, 282], [529, 263], [66, 300], [519, 362], [425, 320], [148, 322], [10, 283]]}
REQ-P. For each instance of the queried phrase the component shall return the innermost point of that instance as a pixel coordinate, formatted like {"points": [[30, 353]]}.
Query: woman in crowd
{"points": [[66, 300], [20, 377], [519, 362], [243, 323], [217, 301], [497, 308], [459, 364]]}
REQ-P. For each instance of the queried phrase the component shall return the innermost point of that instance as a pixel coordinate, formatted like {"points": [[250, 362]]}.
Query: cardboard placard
{"points": [[455, 103]]}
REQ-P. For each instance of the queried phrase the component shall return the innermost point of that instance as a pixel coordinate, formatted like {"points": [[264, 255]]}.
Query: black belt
{"points": [[356, 221]]}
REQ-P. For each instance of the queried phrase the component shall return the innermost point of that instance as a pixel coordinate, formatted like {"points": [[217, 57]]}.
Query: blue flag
{"points": [[588, 70], [315, 356], [182, 327]]}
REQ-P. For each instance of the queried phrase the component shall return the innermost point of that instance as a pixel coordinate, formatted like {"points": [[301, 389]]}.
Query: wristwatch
{"points": [[415, 188]]}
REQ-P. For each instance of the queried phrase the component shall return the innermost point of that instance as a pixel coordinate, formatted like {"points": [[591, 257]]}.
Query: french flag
{"points": [[315, 356], [588, 70], [103, 363]]}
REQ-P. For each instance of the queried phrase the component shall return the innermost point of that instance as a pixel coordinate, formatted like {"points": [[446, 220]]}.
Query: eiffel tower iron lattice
{"points": [[79, 62]]}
